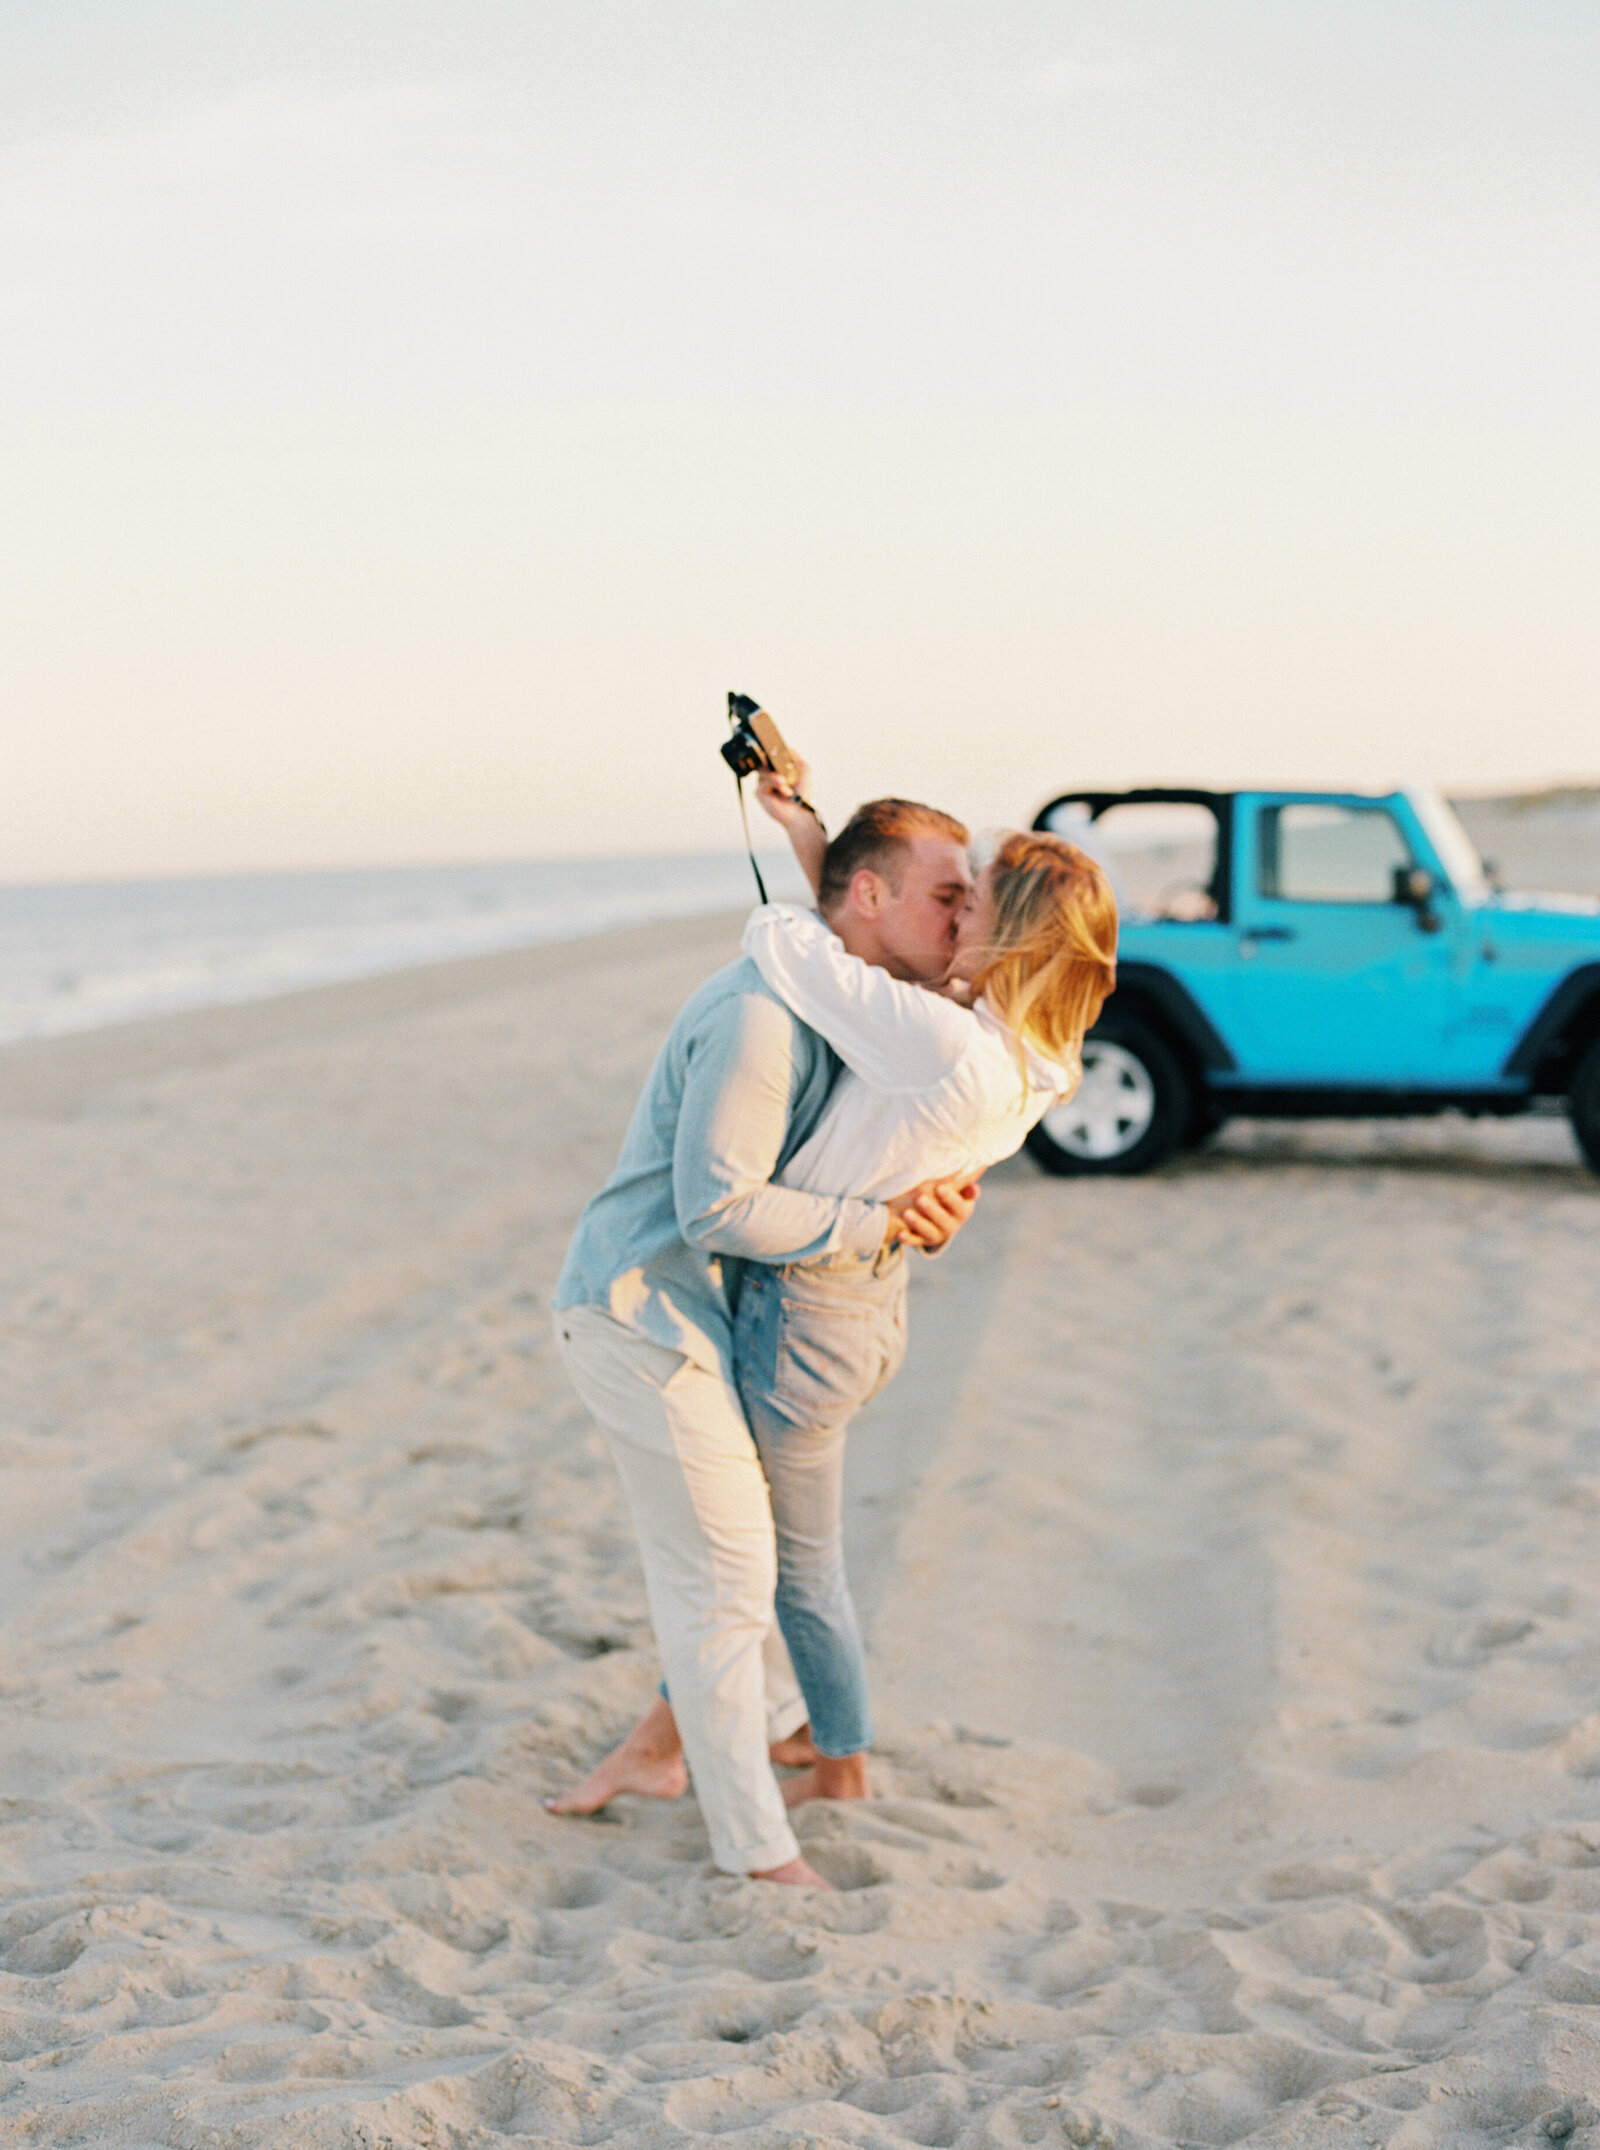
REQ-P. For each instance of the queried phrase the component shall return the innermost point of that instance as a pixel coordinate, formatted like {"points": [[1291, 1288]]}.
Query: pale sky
{"points": [[418, 413]]}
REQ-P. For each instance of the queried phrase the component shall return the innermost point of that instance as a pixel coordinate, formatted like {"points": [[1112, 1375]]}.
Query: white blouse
{"points": [[930, 1090]]}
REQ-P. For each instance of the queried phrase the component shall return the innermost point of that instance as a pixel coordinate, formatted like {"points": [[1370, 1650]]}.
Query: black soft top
{"points": [[1098, 802]]}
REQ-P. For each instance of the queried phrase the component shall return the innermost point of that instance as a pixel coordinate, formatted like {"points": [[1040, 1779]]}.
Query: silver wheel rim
{"points": [[1112, 1108]]}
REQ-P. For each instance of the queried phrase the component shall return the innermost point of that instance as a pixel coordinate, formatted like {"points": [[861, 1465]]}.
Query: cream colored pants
{"points": [[704, 1521]]}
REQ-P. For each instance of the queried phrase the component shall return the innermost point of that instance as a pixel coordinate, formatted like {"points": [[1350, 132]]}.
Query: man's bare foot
{"points": [[649, 1763], [841, 1776], [795, 1752], [796, 1873]]}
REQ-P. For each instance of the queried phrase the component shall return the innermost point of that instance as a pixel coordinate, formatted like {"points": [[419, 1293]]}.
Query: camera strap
{"points": [[744, 818]]}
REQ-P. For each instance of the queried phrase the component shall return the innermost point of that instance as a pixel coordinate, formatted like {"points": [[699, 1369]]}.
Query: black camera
{"points": [[757, 743]]}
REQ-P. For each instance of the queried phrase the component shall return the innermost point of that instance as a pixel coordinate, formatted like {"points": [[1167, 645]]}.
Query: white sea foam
{"points": [[82, 955]]}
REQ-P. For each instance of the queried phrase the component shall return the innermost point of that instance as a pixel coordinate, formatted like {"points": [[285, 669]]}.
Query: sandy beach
{"points": [[1227, 1551]]}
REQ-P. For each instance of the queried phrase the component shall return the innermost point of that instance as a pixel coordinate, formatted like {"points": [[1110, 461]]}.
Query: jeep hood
{"points": [[1558, 924], [1549, 905]]}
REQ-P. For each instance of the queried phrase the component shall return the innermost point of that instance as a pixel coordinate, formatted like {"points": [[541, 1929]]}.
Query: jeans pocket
{"points": [[829, 1360]]}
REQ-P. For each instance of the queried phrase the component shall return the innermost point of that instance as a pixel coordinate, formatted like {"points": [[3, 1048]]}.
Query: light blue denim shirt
{"points": [[737, 1087]]}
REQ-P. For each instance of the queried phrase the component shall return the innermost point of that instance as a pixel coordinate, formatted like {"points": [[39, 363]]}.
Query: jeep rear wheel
{"points": [[1583, 1104], [1130, 1112], [1206, 1117]]}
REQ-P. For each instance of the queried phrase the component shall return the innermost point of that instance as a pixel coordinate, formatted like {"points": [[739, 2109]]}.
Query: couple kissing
{"points": [[737, 1290]]}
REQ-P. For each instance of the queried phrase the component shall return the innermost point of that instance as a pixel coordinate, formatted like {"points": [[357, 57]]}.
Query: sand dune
{"points": [[1545, 840], [1227, 1549]]}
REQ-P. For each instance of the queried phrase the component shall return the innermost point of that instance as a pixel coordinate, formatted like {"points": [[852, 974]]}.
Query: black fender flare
{"points": [[1176, 1011], [1551, 1037]]}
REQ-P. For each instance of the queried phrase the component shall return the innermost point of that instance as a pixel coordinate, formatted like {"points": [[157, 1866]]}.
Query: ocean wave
{"points": [[80, 956]]}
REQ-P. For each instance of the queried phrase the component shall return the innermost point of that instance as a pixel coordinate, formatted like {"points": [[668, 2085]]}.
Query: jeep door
{"points": [[1338, 979]]}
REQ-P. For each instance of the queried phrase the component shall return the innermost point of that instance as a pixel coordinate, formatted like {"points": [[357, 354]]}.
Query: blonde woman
{"points": [[932, 1089]]}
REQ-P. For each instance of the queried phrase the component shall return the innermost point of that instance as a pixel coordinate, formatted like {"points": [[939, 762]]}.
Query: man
{"points": [[644, 1313]]}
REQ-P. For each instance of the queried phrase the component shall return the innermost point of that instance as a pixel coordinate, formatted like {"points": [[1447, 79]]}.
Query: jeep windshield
{"points": [[1458, 854]]}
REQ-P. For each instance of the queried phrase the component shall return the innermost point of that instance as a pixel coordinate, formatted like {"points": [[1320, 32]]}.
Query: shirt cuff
{"points": [[866, 1237]]}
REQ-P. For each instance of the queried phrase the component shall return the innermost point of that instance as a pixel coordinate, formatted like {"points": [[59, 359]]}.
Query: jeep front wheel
{"points": [[1130, 1112], [1583, 1103]]}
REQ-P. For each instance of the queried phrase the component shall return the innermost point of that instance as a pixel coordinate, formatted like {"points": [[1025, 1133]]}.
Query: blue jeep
{"points": [[1309, 953]]}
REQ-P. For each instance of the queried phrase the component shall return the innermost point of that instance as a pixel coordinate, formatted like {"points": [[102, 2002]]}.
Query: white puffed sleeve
{"points": [[894, 1036]]}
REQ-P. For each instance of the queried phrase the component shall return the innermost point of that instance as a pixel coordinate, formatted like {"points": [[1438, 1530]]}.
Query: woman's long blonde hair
{"points": [[1052, 953]]}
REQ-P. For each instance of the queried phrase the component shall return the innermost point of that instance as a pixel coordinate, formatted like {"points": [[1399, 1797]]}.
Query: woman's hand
{"points": [[781, 800], [930, 1215], [786, 804]]}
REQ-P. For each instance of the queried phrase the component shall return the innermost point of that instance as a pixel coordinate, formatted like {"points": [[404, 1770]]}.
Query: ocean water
{"points": [[78, 956]]}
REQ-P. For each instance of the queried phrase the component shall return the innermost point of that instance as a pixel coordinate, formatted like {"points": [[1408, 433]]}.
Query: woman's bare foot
{"points": [[842, 1776], [649, 1763], [796, 1873], [795, 1752]]}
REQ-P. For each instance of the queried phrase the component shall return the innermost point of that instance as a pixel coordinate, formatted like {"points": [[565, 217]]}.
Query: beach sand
{"points": [[1228, 1552]]}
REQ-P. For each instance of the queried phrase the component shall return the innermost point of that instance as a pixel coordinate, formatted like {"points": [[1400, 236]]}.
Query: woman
{"points": [[934, 1088]]}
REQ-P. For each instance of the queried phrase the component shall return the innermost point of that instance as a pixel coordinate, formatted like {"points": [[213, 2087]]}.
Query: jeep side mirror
{"points": [[1414, 887]]}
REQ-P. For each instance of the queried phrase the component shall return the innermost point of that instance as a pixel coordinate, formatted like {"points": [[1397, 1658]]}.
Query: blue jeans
{"points": [[812, 1341]]}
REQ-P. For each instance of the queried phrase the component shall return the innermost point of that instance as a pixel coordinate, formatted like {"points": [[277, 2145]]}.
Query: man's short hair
{"points": [[878, 836]]}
